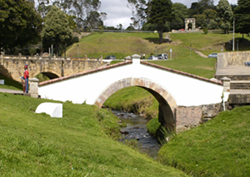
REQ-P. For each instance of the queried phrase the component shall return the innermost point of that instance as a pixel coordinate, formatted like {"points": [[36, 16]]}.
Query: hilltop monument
{"points": [[189, 20]]}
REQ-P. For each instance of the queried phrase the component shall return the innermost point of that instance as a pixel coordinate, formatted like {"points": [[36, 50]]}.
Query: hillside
{"points": [[10, 84], [82, 143], [127, 44], [218, 148]]}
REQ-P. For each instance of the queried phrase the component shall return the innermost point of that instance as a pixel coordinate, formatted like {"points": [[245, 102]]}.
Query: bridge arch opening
{"points": [[167, 103], [43, 76]]}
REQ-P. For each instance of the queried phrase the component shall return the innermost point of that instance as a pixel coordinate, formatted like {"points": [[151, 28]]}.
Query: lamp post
{"points": [[190, 50], [171, 54], [78, 50], [52, 51], [233, 32]]}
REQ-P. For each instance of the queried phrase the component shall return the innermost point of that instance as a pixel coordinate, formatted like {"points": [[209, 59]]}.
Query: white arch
{"points": [[141, 82]]}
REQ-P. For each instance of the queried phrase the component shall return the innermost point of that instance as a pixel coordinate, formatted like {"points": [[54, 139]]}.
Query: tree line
{"points": [[30, 26], [163, 15]]}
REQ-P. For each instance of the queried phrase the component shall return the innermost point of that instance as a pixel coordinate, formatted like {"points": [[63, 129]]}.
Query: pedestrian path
{"points": [[15, 92]]}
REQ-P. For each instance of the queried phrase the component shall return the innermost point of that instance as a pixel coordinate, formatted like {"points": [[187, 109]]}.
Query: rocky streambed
{"points": [[136, 130]]}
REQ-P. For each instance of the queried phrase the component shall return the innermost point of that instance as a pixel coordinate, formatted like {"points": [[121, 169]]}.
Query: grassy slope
{"points": [[218, 148], [76, 145], [118, 44], [10, 84], [208, 43]]}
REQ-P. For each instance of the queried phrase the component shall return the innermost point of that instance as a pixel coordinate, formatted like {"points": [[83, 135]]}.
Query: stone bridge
{"points": [[182, 96], [52, 67]]}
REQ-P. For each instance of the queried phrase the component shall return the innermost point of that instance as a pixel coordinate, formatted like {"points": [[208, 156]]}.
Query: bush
{"points": [[153, 126], [205, 30]]}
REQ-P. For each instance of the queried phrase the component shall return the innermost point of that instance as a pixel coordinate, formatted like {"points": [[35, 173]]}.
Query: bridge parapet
{"points": [[37, 57], [52, 67]]}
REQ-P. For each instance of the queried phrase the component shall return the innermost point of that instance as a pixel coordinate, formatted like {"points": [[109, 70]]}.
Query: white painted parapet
{"points": [[52, 109], [185, 89]]}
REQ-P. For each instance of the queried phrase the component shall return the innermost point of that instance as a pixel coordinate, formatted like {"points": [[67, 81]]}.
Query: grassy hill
{"points": [[10, 84], [80, 144], [218, 148], [124, 44]]}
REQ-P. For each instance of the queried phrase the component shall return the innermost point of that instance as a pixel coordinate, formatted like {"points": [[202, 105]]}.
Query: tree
{"points": [[242, 17], [81, 9], [180, 12], [20, 24], [139, 12], [194, 9], [199, 7], [205, 4], [200, 20], [56, 30], [160, 13], [94, 20], [210, 15], [225, 13]]}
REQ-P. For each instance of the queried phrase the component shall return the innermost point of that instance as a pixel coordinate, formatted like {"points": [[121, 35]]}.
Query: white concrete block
{"points": [[52, 109]]}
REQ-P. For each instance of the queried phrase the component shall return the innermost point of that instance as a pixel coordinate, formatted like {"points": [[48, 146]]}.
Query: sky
{"points": [[119, 13]]}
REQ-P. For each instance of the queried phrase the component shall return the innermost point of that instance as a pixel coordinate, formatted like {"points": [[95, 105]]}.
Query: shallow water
{"points": [[136, 129]]}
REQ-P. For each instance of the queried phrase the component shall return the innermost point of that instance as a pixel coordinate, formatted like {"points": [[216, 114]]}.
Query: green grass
{"points": [[118, 44], [208, 43], [218, 148], [10, 84], [195, 64], [79, 144], [143, 103]]}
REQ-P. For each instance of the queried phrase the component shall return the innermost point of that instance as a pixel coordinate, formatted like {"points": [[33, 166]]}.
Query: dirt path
{"points": [[196, 51], [200, 53]]}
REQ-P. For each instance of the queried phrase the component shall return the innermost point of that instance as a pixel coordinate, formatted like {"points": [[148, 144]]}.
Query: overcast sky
{"points": [[119, 13]]}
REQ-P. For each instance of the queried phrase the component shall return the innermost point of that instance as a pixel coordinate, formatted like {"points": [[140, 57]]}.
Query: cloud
{"points": [[119, 13]]}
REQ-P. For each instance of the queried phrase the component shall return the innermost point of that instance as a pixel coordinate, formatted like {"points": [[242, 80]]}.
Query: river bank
{"points": [[136, 129]]}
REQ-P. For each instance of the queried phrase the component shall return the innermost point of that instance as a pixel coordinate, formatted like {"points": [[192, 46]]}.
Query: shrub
{"points": [[205, 30]]}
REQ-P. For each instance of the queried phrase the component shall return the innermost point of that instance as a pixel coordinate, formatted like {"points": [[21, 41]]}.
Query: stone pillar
{"points": [[226, 84], [101, 59], [34, 87], [136, 59]]}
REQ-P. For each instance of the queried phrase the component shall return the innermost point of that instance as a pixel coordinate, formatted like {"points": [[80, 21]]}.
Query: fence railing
{"points": [[121, 31], [23, 57]]}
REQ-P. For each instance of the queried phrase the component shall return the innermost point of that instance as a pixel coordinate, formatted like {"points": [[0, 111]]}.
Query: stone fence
{"points": [[37, 57], [233, 58]]}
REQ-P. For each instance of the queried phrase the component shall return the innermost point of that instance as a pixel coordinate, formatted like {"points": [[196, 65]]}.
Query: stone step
{"points": [[241, 85], [239, 97], [234, 77]]}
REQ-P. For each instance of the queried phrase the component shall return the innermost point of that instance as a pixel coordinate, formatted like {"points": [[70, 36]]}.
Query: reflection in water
{"points": [[136, 129]]}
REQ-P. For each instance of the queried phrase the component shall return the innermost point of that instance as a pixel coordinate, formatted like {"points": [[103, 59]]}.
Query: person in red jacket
{"points": [[26, 78]]}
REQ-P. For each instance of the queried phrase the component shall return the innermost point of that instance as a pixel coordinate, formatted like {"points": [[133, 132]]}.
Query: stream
{"points": [[136, 129]]}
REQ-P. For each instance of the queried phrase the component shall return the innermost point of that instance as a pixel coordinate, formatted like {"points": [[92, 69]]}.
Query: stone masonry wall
{"points": [[235, 58], [187, 117], [13, 67]]}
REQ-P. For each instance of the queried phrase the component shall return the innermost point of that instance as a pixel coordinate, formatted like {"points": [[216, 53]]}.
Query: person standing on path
{"points": [[26, 78]]}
